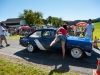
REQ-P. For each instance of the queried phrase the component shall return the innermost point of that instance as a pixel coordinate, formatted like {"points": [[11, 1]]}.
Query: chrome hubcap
{"points": [[30, 48], [76, 52]]}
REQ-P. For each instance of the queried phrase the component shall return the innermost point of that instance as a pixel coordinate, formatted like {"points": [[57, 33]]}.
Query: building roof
{"points": [[17, 20], [2, 21], [12, 20]]}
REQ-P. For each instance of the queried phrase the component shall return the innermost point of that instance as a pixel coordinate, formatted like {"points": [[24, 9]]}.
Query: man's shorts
{"points": [[88, 36], [62, 37], [2, 37]]}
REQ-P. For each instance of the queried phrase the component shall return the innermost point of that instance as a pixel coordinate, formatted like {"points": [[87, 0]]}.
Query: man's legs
{"points": [[6, 42], [4, 38], [1, 38], [0, 42]]}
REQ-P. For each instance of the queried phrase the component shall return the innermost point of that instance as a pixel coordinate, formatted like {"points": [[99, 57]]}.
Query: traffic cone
{"points": [[95, 43], [97, 71]]}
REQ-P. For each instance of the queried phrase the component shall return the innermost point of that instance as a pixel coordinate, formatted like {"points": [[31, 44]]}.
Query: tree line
{"points": [[36, 18]]}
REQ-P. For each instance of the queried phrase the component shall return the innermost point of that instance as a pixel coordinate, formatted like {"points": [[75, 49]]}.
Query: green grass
{"points": [[11, 68], [96, 31], [14, 37]]}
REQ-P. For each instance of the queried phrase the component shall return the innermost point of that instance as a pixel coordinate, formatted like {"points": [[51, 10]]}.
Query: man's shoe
{"points": [[7, 45], [1, 46]]}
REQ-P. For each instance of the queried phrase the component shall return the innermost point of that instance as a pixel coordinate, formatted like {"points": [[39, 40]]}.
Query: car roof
{"points": [[48, 29]]}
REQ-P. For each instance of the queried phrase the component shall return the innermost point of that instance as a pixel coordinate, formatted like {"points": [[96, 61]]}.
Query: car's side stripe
{"points": [[39, 45]]}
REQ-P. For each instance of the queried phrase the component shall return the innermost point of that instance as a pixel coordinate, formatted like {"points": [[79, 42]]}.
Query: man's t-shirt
{"points": [[89, 29], [2, 32]]}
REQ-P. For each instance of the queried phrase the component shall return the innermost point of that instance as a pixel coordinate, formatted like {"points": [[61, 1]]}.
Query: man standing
{"points": [[2, 35], [69, 30], [89, 29]]}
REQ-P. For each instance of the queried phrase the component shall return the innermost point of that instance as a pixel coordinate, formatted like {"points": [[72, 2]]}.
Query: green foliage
{"points": [[55, 21], [49, 19], [31, 18]]}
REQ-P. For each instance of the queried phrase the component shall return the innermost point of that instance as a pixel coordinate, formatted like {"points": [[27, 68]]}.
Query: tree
{"points": [[60, 21], [49, 19], [31, 18], [38, 18], [55, 21]]}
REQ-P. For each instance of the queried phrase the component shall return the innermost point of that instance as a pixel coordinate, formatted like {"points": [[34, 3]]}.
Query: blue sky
{"points": [[65, 9]]}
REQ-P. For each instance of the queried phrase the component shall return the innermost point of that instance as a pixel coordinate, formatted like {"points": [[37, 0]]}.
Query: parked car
{"points": [[41, 38]]}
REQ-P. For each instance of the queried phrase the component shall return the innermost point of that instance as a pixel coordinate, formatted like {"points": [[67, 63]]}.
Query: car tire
{"points": [[76, 53], [30, 48]]}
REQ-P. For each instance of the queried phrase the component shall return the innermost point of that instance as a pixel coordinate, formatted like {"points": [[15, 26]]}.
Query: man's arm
{"points": [[93, 30], [3, 29]]}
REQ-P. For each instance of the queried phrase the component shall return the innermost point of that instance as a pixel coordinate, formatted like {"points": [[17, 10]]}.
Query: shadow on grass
{"points": [[59, 70]]}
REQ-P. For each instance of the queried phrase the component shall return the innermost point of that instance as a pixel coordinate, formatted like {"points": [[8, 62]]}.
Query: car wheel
{"points": [[76, 53], [30, 48]]}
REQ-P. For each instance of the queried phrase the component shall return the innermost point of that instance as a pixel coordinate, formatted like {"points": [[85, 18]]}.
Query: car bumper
{"points": [[23, 44]]}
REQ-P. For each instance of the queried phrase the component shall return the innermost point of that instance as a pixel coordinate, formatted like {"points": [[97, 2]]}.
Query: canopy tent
{"points": [[72, 26], [83, 24], [24, 27]]}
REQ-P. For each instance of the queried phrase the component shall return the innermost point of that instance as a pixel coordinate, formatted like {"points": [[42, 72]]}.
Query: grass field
{"points": [[96, 31], [13, 68], [15, 37]]}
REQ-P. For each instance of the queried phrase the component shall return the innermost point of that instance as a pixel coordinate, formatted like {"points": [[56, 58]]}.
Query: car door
{"points": [[36, 40], [48, 36]]}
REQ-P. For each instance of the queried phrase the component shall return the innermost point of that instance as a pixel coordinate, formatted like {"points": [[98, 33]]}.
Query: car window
{"points": [[36, 34], [49, 33]]}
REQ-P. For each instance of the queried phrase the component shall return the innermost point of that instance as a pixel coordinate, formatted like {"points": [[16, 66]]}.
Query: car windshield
{"points": [[36, 34]]}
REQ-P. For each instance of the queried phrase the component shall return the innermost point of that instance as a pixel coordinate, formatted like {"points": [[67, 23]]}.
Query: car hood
{"points": [[74, 38]]}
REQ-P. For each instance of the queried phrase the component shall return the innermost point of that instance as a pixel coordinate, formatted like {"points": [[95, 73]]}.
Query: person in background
{"points": [[82, 31], [34, 28], [77, 31], [15, 31], [26, 32], [69, 30], [89, 29], [72, 30], [50, 26], [62, 32], [42, 27], [9, 30], [2, 35]]}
